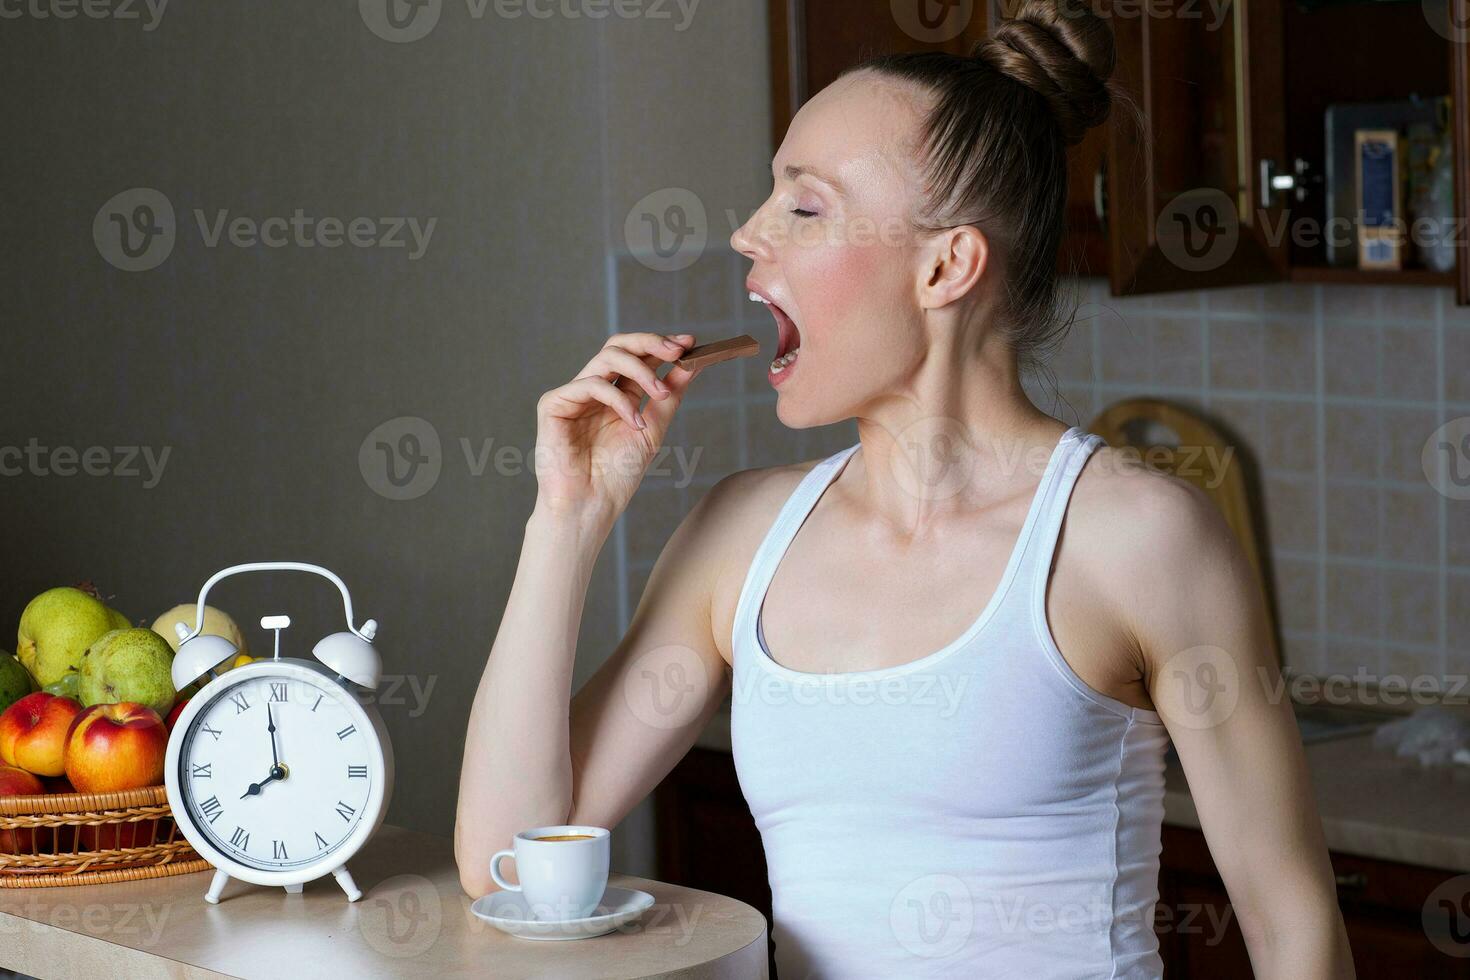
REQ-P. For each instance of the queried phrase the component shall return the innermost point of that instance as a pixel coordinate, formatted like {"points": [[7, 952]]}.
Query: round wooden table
{"points": [[413, 920]]}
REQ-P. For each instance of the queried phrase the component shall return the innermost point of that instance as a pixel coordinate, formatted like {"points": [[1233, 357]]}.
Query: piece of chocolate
{"points": [[721, 350]]}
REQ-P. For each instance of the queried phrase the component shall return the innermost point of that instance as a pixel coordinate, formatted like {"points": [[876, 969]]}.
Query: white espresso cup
{"points": [[560, 879]]}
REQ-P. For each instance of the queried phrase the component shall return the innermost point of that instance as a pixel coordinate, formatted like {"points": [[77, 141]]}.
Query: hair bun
{"points": [[1062, 50]]}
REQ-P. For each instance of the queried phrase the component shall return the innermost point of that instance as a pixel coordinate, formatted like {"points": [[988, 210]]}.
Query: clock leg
{"points": [[293, 889], [215, 887], [344, 878]]}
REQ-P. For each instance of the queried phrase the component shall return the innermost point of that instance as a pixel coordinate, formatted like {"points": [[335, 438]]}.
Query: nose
{"points": [[748, 241]]}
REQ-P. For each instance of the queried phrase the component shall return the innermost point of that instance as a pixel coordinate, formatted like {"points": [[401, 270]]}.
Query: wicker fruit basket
{"points": [[90, 839]]}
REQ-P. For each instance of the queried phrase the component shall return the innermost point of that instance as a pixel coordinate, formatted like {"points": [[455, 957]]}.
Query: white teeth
{"points": [[756, 297]]}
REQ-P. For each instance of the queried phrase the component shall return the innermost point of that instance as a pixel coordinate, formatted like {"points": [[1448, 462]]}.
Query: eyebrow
{"points": [[793, 172]]}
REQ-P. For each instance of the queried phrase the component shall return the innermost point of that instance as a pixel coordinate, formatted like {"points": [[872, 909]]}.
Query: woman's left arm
{"points": [[1199, 621]]}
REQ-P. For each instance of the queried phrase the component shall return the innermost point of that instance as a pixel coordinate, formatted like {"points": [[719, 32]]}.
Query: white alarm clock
{"points": [[277, 773]]}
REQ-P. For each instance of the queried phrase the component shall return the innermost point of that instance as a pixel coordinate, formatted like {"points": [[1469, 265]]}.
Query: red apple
{"points": [[33, 733], [18, 782], [115, 747], [174, 712]]}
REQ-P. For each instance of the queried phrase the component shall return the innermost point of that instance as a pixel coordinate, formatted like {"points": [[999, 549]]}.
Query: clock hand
{"points": [[271, 727], [277, 772]]}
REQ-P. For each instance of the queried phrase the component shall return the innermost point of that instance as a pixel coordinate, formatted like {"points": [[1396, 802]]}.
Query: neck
{"points": [[960, 434]]}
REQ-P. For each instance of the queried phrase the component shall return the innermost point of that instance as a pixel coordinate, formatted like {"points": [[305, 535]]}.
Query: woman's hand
{"points": [[592, 444]]}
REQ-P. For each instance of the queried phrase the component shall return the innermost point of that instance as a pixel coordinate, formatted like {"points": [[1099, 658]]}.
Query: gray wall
{"points": [[262, 370]]}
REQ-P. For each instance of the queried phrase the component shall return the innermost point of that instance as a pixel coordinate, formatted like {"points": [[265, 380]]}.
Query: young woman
{"points": [[957, 649]]}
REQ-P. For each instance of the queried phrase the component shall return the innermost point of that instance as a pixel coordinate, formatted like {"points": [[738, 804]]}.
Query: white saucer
{"points": [[508, 912]]}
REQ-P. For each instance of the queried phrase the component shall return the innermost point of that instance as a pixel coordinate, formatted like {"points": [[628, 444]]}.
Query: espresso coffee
{"points": [[566, 837]]}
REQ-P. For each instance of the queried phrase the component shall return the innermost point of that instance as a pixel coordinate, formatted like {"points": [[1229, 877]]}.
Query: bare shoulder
{"points": [[1134, 510], [1156, 546], [734, 514], [725, 528]]}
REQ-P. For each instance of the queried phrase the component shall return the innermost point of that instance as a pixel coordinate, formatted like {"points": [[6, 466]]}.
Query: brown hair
{"points": [[995, 144]]}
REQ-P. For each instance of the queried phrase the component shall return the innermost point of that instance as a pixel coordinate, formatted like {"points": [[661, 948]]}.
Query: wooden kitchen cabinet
{"points": [[708, 840], [1232, 96], [1382, 905]]}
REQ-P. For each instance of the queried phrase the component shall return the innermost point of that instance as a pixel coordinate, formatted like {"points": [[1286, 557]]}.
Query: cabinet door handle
{"points": [[1100, 192], [1354, 881]]}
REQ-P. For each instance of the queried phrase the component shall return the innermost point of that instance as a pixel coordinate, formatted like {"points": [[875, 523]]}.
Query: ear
{"points": [[954, 264]]}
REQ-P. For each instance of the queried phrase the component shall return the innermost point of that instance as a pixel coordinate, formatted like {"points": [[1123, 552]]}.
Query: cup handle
{"points": [[495, 870]]}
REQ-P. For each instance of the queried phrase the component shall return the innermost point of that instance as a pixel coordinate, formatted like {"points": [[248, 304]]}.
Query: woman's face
{"points": [[835, 251]]}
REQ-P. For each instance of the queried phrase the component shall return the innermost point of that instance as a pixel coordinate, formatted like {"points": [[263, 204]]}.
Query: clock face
{"points": [[277, 771]]}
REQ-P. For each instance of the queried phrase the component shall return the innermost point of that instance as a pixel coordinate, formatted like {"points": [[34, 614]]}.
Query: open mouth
{"points": [[788, 338]]}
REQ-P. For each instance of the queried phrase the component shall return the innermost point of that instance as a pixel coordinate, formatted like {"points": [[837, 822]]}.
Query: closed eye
{"points": [[803, 214]]}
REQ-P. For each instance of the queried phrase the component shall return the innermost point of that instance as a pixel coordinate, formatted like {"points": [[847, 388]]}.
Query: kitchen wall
{"points": [[1331, 393], [275, 376]]}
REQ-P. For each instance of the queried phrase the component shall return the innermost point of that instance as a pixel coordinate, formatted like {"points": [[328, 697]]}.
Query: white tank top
{"points": [[977, 812]]}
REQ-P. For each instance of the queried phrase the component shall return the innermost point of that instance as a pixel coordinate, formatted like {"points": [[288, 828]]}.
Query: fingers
{"points": [[648, 349], [611, 362], [572, 398], [661, 413]]}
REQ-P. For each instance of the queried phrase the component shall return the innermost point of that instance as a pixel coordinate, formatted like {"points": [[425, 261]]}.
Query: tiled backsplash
{"points": [[1331, 391]]}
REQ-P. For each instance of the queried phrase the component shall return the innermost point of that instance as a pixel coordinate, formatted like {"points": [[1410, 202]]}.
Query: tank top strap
{"points": [[1036, 558], [782, 532]]}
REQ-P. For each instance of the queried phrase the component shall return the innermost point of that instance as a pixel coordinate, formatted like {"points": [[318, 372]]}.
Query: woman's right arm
{"points": [[525, 744]]}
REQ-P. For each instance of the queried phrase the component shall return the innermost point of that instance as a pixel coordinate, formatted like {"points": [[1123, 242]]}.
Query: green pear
{"points": [[128, 665], [15, 681], [216, 623], [119, 621], [55, 628]]}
